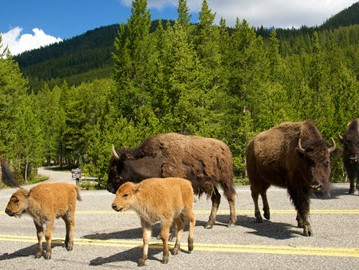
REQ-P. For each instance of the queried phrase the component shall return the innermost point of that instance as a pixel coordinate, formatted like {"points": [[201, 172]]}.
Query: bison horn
{"points": [[340, 137], [331, 149], [115, 153], [300, 148]]}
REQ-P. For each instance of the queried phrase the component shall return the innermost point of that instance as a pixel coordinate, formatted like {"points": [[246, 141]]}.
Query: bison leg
{"points": [[301, 203], [146, 235], [257, 212], [216, 200], [39, 233], [192, 224], [180, 228], [70, 228], [265, 205], [165, 233], [230, 194], [48, 237]]}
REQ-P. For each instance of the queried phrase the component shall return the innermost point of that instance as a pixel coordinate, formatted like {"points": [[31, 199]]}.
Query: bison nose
{"points": [[114, 207], [110, 188], [9, 212]]}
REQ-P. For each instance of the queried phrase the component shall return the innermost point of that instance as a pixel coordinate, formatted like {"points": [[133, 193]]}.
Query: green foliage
{"points": [[169, 76]]}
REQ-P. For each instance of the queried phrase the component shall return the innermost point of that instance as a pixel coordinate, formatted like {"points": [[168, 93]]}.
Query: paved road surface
{"points": [[105, 239]]}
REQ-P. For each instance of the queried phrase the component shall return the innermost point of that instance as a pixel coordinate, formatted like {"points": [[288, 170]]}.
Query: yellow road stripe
{"points": [[223, 212], [229, 248]]}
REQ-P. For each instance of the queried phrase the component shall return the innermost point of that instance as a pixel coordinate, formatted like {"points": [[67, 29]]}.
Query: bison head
{"points": [[18, 203], [351, 148], [316, 155], [125, 196], [117, 173]]}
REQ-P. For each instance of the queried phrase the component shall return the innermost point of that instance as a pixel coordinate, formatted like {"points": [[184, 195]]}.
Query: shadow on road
{"points": [[133, 254], [269, 229]]}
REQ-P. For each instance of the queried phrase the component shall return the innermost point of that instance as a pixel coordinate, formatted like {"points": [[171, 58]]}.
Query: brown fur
{"points": [[159, 200], [7, 176], [44, 203], [273, 158], [206, 162], [350, 140]]}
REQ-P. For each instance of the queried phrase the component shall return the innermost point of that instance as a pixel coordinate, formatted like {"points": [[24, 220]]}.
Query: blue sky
{"points": [[27, 24]]}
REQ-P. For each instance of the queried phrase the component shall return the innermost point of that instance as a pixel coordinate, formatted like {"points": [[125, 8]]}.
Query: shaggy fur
{"points": [[159, 200], [206, 162], [44, 203], [350, 140], [274, 157]]}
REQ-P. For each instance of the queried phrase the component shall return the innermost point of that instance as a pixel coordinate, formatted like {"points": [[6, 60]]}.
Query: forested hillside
{"points": [[203, 79]]}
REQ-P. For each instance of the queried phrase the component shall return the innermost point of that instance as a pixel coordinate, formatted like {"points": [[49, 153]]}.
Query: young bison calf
{"points": [[44, 203], [159, 200]]}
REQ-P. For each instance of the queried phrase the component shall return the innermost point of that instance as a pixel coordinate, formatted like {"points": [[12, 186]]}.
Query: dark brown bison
{"points": [[7, 177], [205, 162], [350, 140], [294, 156]]}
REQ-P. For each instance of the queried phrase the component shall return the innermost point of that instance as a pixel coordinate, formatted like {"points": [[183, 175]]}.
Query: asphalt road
{"points": [[105, 239]]}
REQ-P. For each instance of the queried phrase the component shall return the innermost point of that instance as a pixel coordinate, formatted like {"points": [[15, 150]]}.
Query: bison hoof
{"points": [[259, 218], [307, 231], [165, 260], [48, 256], [209, 225], [38, 255], [351, 191], [141, 262]]}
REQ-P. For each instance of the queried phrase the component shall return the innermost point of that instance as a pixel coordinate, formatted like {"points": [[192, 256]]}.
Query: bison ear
{"points": [[136, 188]]}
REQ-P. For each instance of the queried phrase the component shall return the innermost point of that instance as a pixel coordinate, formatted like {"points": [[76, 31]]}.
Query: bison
{"points": [[44, 203], [159, 200], [294, 156], [206, 162], [7, 177], [350, 142]]}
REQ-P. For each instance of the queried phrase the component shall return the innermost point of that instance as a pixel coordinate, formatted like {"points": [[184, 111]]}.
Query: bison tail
{"points": [[7, 176], [78, 195]]}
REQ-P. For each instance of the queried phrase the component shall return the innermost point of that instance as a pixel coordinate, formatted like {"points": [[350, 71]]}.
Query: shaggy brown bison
{"points": [[206, 162], [7, 177], [293, 156], [350, 140], [162, 200], [44, 203]]}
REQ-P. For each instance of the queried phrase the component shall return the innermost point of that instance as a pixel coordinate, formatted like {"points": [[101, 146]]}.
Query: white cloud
{"points": [[277, 13], [18, 43]]}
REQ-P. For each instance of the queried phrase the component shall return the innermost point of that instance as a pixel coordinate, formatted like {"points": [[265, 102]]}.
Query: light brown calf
{"points": [[162, 200], [44, 203]]}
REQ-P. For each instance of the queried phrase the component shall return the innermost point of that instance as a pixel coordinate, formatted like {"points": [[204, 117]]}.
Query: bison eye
{"points": [[119, 179], [125, 195]]}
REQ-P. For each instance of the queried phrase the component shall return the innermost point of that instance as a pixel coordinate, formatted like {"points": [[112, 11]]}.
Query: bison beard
{"points": [[206, 162], [293, 156], [350, 141]]}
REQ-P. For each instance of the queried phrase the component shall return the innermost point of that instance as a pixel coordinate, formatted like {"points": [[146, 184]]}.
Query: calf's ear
{"points": [[136, 188]]}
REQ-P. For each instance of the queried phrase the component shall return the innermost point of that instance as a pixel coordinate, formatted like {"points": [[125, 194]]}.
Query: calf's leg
{"points": [[48, 237], [192, 224], [165, 233], [69, 220], [180, 228], [146, 235], [39, 233]]}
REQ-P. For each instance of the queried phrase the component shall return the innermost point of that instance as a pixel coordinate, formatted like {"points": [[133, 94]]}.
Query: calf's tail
{"points": [[78, 197]]}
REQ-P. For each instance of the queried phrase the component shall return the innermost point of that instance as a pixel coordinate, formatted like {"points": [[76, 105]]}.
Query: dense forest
{"points": [[202, 79]]}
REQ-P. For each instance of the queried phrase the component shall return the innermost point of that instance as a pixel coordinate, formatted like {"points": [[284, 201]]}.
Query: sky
{"points": [[30, 24]]}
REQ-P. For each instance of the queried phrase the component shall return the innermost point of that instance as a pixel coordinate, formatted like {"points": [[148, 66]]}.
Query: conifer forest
{"points": [[205, 79]]}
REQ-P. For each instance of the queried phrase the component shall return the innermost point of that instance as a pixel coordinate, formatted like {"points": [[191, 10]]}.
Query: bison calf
{"points": [[44, 203], [159, 200]]}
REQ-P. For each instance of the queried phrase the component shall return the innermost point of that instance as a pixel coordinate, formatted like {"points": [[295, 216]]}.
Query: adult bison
{"points": [[350, 140], [206, 162], [294, 156]]}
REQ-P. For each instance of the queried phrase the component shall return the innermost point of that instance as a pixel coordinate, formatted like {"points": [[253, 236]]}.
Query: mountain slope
{"points": [[346, 17]]}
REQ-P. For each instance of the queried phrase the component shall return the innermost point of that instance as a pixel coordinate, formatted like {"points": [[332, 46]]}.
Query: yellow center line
{"points": [[225, 248], [220, 212]]}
